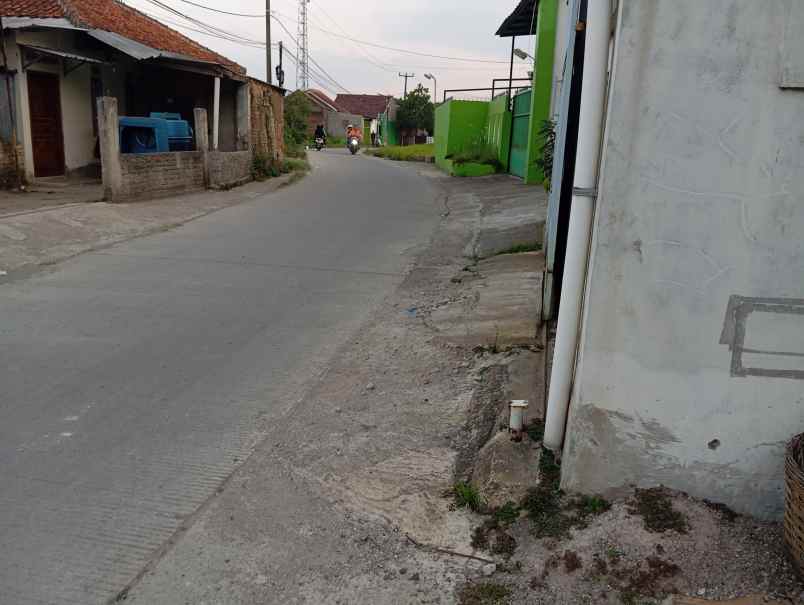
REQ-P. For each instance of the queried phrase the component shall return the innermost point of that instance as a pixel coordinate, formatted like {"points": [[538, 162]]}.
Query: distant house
{"points": [[370, 107], [64, 54], [325, 111]]}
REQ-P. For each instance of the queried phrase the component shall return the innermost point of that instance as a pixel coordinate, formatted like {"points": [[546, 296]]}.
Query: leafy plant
{"points": [[297, 112], [547, 135], [416, 110]]}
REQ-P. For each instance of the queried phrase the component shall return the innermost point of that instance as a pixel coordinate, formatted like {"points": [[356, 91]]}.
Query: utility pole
{"points": [[303, 53], [268, 75], [406, 75]]}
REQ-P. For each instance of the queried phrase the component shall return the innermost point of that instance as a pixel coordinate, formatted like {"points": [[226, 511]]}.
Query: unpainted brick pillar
{"points": [[243, 110], [202, 139], [109, 143]]}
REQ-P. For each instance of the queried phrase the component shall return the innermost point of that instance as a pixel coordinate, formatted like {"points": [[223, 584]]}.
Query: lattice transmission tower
{"points": [[303, 53]]}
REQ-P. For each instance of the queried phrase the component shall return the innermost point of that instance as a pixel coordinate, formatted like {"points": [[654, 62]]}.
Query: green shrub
{"points": [[263, 167]]}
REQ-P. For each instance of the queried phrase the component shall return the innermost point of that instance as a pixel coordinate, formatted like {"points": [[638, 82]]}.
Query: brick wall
{"points": [[7, 166], [267, 120], [160, 174], [227, 168]]}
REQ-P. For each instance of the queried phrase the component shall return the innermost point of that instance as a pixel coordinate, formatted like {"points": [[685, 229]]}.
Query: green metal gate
{"points": [[519, 134]]}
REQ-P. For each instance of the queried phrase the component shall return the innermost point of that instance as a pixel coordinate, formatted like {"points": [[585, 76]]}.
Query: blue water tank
{"points": [[143, 135], [180, 135]]}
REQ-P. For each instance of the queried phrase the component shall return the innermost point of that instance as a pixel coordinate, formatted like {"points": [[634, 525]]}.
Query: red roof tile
{"points": [[114, 16], [31, 8], [368, 106]]}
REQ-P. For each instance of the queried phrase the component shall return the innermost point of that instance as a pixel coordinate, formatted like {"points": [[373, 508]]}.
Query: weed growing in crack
{"points": [[466, 496]]}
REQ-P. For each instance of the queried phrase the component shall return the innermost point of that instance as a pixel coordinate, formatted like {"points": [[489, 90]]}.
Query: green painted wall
{"points": [[389, 131], [457, 124], [498, 128], [366, 132], [542, 83]]}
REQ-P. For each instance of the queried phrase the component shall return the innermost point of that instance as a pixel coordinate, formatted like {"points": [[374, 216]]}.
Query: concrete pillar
{"points": [[202, 138], [216, 113], [244, 117], [109, 143]]}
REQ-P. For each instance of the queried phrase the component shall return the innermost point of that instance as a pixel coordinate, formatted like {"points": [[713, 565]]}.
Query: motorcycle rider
{"points": [[320, 133], [354, 131]]}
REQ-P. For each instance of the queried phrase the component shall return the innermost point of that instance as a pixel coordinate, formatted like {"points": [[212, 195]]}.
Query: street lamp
{"points": [[523, 55], [435, 86]]}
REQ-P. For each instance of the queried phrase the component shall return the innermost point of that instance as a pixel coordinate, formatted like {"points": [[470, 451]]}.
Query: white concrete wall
{"points": [[701, 200]]}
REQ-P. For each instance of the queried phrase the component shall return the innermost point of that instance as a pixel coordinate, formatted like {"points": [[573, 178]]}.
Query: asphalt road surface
{"points": [[137, 378]]}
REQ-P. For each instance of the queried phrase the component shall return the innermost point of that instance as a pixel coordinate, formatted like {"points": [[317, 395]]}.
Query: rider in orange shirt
{"points": [[354, 131]]}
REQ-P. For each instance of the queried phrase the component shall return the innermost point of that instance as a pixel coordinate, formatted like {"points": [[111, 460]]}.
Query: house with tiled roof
{"points": [[371, 107], [62, 55], [326, 112]]}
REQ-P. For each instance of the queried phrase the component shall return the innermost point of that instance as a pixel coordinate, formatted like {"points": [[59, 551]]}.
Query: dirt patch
{"points": [[655, 506], [483, 593], [572, 562]]}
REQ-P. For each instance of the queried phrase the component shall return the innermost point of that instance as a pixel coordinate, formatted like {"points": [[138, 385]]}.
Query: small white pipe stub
{"points": [[516, 423]]}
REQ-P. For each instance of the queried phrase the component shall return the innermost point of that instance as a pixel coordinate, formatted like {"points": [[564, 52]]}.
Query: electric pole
{"points": [[268, 41], [406, 75], [303, 54], [280, 73]]}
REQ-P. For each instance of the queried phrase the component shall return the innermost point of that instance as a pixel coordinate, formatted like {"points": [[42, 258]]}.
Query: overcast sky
{"points": [[454, 28]]}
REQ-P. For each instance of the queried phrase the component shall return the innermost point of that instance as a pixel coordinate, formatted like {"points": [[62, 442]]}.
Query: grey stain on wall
{"points": [[774, 324]]}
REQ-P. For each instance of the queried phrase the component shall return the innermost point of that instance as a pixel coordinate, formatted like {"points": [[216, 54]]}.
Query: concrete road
{"points": [[136, 379]]}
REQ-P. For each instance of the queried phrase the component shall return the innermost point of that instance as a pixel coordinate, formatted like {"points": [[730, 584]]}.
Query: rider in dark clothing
{"points": [[320, 133]]}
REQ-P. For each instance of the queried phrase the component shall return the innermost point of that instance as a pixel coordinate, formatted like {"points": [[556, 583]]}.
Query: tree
{"points": [[416, 111], [297, 113]]}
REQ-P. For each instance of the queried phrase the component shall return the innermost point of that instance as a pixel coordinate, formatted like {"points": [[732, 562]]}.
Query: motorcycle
{"points": [[353, 144], [319, 143]]}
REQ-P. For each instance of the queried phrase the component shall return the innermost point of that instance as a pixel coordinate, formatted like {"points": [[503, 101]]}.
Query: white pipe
{"points": [[216, 112], [590, 133]]}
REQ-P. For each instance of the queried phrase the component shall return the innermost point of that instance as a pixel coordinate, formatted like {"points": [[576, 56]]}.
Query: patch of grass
{"points": [[655, 507], [478, 151], [407, 153], [507, 513], [466, 496], [295, 165], [551, 514], [535, 430], [592, 505], [522, 248], [483, 593], [295, 151]]}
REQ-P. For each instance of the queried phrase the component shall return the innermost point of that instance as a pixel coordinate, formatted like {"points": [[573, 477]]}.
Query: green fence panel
{"points": [[520, 131], [458, 124], [498, 128]]}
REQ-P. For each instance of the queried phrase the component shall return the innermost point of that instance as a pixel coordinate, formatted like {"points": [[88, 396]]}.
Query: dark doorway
{"points": [[47, 139]]}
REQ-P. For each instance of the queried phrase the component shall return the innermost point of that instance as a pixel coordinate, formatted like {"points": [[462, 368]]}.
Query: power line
{"points": [[348, 37]]}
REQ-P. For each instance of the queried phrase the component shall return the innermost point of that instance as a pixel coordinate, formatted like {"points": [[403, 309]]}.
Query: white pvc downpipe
{"points": [[560, 54], [590, 133], [216, 113]]}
